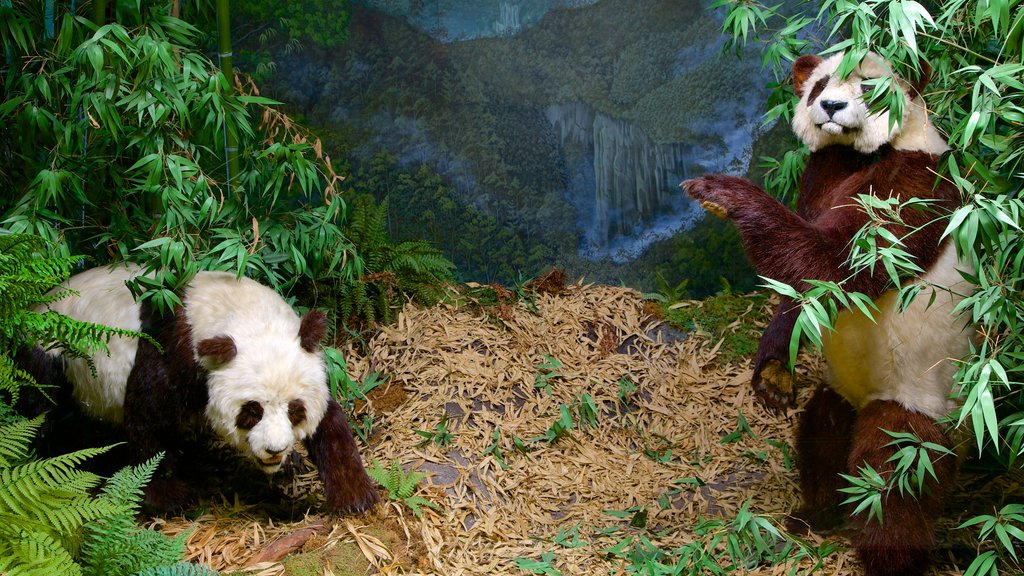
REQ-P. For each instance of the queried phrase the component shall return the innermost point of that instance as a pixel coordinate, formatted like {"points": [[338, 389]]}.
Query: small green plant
{"points": [[393, 272], [1006, 526], [720, 546], [627, 388], [440, 435], [742, 429], [560, 428], [543, 566], [364, 428], [547, 371], [658, 448], [344, 388], [495, 449], [570, 537], [401, 486], [586, 409]]}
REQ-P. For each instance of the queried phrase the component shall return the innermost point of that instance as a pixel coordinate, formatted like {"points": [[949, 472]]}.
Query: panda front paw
{"points": [[717, 193], [351, 492], [773, 386]]}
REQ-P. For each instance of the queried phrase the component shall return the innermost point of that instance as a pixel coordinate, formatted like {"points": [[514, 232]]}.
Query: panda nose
{"points": [[274, 452], [832, 106]]}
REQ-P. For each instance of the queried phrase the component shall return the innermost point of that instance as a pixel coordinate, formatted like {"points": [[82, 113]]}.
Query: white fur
{"points": [[270, 368], [854, 125], [907, 357], [103, 299]]}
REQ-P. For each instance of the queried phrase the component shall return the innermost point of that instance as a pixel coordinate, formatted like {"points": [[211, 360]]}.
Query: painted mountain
{"points": [[523, 134]]}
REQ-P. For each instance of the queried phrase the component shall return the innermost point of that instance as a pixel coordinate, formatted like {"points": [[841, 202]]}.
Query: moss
{"points": [[738, 318], [344, 558]]}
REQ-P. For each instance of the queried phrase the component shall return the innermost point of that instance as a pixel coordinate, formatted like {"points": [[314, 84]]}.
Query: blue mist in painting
{"points": [[560, 128]]}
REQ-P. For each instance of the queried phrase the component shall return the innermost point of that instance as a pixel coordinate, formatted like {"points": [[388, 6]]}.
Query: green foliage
{"points": [[28, 270], [325, 22], [543, 566], [974, 50], [729, 316], [401, 486], [115, 545], [50, 524], [43, 505], [392, 272], [137, 107], [718, 547], [547, 371], [440, 435], [560, 428]]}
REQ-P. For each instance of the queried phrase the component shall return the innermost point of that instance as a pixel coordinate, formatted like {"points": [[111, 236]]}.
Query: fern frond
{"points": [[182, 569], [15, 438], [116, 546], [35, 554]]}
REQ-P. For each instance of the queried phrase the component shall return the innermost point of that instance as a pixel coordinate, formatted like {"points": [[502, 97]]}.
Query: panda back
{"points": [[102, 298]]}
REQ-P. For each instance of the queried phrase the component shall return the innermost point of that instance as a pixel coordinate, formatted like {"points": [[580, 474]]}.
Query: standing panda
{"points": [[895, 373], [235, 356]]}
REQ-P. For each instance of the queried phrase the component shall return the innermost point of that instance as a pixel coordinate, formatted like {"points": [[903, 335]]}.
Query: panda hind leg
{"points": [[902, 542], [823, 442]]}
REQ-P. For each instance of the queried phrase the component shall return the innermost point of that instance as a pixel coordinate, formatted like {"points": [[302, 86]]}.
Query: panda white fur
{"points": [[894, 374], [235, 355]]}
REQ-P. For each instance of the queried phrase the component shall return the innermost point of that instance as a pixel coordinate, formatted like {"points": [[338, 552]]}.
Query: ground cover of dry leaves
{"points": [[662, 446]]}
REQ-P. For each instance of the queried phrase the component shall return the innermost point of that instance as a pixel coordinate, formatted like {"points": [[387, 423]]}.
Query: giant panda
{"points": [[894, 373], [236, 360]]}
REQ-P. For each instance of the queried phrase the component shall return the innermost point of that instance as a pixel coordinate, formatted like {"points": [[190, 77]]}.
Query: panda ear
{"points": [[216, 351], [312, 330], [802, 70]]}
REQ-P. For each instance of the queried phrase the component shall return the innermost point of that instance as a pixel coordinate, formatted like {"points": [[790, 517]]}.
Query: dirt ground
{"points": [[556, 436]]}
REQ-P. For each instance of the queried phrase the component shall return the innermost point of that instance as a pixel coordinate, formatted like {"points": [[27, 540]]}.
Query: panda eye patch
{"points": [[817, 89], [296, 412], [249, 415]]}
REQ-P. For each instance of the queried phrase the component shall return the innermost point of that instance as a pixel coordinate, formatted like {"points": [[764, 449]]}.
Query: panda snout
{"points": [[832, 106]]}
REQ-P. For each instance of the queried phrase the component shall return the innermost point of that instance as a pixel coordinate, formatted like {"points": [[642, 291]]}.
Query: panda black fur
{"points": [[895, 373], [235, 357]]}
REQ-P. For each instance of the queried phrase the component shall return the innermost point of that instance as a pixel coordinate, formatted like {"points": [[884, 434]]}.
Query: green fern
{"points": [[401, 486], [115, 545], [182, 569], [51, 525], [43, 505], [28, 270], [392, 272]]}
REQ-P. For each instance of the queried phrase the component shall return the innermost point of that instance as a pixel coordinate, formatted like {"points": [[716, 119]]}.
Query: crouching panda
{"points": [[895, 372], [235, 358]]}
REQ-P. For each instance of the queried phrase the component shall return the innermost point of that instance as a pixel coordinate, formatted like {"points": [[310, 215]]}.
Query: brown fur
{"points": [[333, 449], [312, 330], [814, 243], [901, 544], [823, 441]]}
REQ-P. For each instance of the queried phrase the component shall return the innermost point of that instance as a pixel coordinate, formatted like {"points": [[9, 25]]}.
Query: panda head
{"points": [[266, 390], [832, 109]]}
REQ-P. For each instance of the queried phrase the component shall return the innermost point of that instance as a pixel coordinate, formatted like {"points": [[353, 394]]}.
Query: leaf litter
{"points": [[576, 420]]}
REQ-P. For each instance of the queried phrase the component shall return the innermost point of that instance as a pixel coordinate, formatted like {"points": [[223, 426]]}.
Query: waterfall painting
{"points": [[520, 134]]}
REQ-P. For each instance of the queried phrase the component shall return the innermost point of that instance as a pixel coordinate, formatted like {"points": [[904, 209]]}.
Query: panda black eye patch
{"points": [[816, 90], [249, 415], [296, 412]]}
